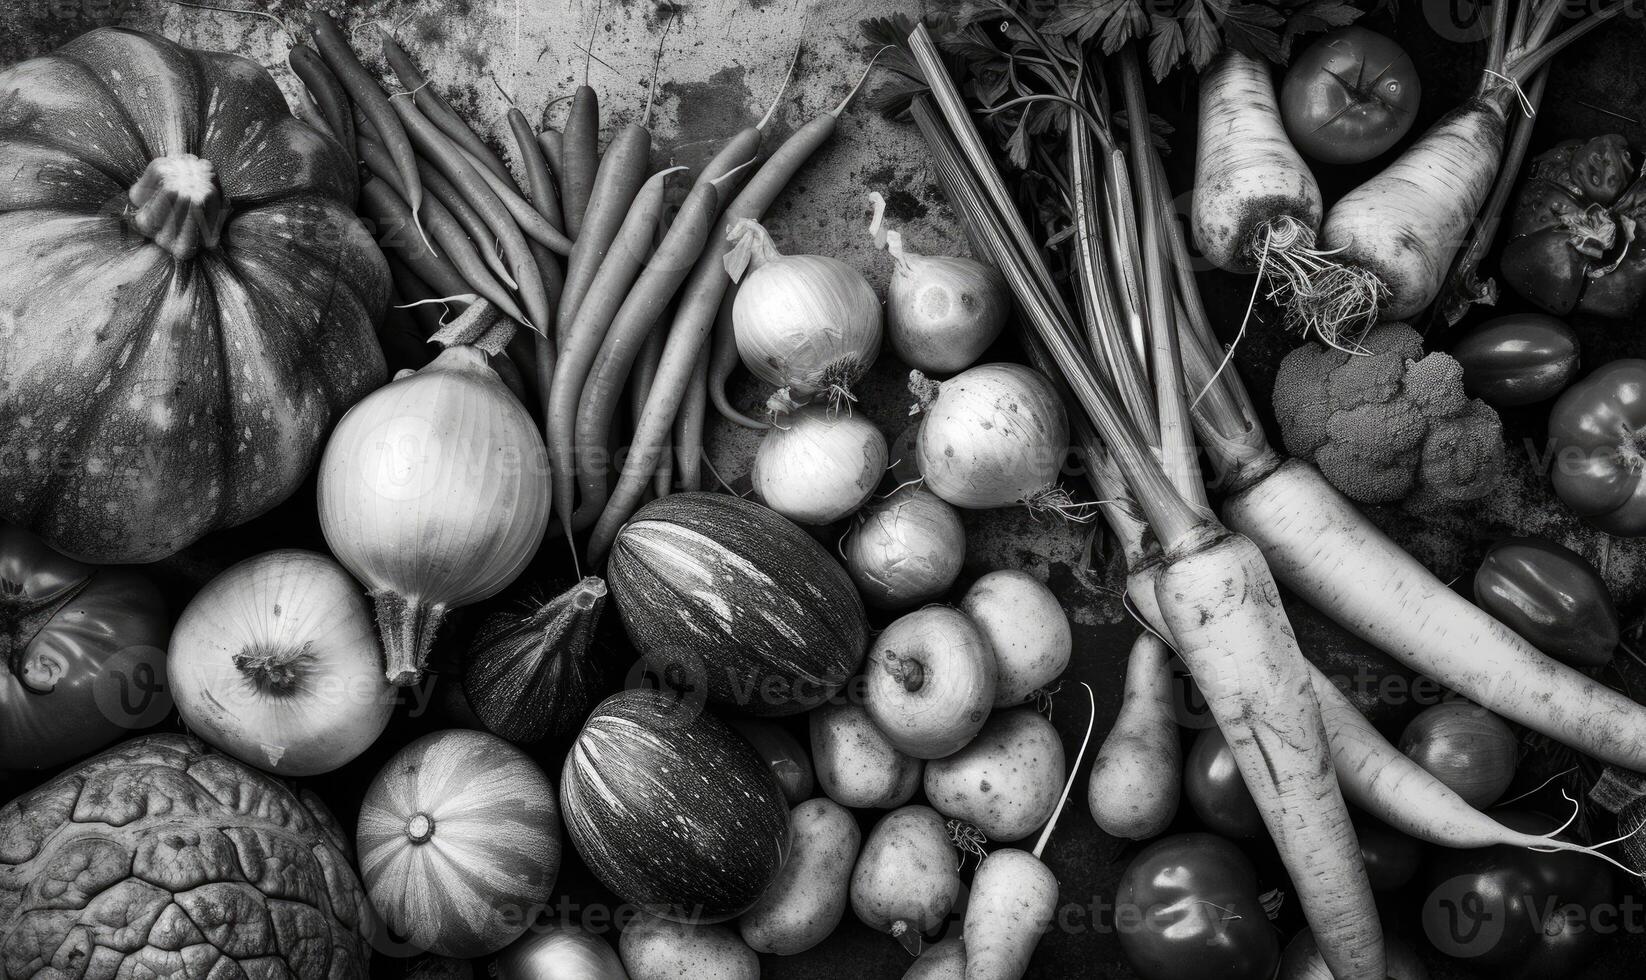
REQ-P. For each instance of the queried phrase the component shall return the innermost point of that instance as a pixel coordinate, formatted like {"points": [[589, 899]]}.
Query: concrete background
{"points": [[721, 64]]}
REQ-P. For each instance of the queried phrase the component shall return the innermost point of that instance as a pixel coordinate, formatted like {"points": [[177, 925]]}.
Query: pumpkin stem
{"points": [[277, 671], [407, 630], [179, 204]]}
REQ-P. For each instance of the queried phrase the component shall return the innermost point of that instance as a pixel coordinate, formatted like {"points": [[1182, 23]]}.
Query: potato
{"points": [[1027, 628], [856, 766], [1006, 781], [805, 903], [907, 878], [657, 949]]}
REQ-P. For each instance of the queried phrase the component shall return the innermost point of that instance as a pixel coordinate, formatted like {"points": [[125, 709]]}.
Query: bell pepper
{"points": [[1551, 596], [1597, 444], [1187, 908], [1575, 236], [1517, 914]]}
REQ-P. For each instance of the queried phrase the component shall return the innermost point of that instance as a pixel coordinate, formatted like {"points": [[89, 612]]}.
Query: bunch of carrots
{"points": [[618, 289], [1104, 287]]}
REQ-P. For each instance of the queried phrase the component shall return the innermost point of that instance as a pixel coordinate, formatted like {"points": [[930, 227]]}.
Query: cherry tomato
{"points": [[1216, 791], [1391, 857], [1511, 913], [1518, 359], [1350, 96], [1551, 596], [1187, 909], [1597, 442]]}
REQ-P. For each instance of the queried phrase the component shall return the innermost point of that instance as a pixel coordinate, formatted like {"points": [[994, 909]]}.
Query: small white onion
{"points": [[558, 952], [434, 493], [905, 549], [992, 436], [943, 312], [808, 323], [275, 662], [816, 464]]}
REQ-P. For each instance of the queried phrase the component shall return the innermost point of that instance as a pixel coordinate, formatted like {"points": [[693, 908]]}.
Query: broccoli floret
{"points": [[1388, 424]]}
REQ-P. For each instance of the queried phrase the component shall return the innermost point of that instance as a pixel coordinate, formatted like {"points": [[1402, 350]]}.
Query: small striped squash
{"points": [[459, 842], [673, 810], [723, 594]]}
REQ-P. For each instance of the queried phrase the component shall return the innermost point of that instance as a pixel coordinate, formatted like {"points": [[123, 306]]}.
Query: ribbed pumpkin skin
{"points": [[718, 590], [493, 849], [672, 810], [147, 399]]}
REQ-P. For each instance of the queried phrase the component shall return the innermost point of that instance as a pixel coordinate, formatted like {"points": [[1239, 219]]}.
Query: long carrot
{"points": [[530, 220], [446, 155], [539, 181], [439, 111], [397, 231], [723, 360], [688, 425], [582, 340], [634, 322], [365, 93], [581, 157], [329, 95], [621, 172]]}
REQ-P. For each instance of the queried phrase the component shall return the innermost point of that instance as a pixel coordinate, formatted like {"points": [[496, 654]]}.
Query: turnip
{"points": [[856, 766], [992, 436], [929, 682], [1026, 627], [1135, 781], [657, 949], [805, 903], [907, 878], [1004, 783], [905, 548]]}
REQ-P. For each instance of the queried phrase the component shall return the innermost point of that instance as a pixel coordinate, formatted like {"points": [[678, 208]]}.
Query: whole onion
{"points": [[905, 549], [993, 436], [1466, 747], [806, 323], [815, 465], [433, 492], [942, 312], [275, 662]]}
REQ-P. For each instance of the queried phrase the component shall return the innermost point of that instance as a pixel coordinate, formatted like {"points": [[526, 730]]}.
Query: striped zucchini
{"points": [[724, 595], [673, 810], [459, 842]]}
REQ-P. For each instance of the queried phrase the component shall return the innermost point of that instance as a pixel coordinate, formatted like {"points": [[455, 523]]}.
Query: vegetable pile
{"points": [[825, 710]]}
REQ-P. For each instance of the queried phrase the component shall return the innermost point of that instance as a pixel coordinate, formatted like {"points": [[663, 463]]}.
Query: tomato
{"points": [[1215, 790], [1510, 912], [83, 650], [1350, 96], [1552, 597], [1597, 443], [1391, 857], [1187, 909], [1517, 359]]}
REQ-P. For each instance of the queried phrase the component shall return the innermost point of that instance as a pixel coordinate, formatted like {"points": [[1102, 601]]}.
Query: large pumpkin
{"points": [[82, 654], [163, 859], [187, 300]]}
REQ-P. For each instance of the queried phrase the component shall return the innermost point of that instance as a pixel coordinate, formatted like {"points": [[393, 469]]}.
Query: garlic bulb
{"points": [[991, 436], [815, 465], [905, 549], [275, 662], [807, 323], [434, 492]]}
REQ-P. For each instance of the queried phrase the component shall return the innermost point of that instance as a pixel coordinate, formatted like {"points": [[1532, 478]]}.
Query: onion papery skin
{"points": [[529, 676], [994, 436], [434, 493], [727, 597], [276, 662], [562, 951], [673, 810], [459, 842], [816, 465], [805, 322], [905, 549], [942, 313]]}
